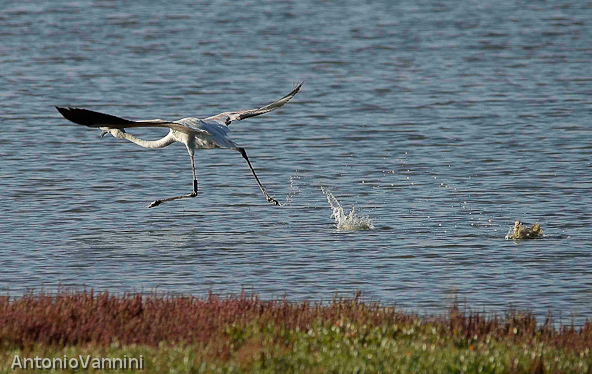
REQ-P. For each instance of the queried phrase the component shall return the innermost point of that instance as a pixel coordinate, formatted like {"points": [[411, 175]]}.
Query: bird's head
{"points": [[117, 133]]}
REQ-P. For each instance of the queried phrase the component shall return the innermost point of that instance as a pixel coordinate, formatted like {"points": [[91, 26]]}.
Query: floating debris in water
{"points": [[520, 231], [346, 222]]}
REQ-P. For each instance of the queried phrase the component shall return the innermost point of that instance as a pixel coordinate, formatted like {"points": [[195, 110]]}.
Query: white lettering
{"points": [[74, 362], [30, 360], [16, 361], [84, 363], [131, 363], [103, 362], [46, 362], [59, 361]]}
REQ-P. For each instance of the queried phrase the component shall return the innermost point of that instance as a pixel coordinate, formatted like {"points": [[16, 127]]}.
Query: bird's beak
{"points": [[104, 132]]}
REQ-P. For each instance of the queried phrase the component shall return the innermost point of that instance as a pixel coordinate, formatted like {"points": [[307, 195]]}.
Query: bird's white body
{"points": [[211, 134], [195, 133]]}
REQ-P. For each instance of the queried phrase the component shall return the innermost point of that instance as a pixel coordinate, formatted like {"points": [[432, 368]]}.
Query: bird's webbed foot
{"points": [[272, 200], [158, 202], [154, 203]]}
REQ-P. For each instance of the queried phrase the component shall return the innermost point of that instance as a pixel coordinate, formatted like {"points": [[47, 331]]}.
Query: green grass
{"points": [[246, 335], [344, 347]]}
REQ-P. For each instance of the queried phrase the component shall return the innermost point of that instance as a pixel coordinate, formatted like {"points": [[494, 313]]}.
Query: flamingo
{"points": [[195, 133]]}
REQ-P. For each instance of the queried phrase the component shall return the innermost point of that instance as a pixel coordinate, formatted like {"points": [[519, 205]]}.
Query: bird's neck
{"points": [[163, 142]]}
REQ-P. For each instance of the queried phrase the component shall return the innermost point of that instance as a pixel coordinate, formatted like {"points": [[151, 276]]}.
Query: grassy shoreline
{"points": [[242, 333]]}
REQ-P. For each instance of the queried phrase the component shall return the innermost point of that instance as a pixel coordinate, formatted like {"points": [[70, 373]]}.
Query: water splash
{"points": [[346, 222], [294, 189], [510, 233], [523, 231]]}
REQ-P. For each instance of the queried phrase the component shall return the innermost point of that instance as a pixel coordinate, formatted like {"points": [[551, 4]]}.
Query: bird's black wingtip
{"points": [[66, 112], [91, 118]]}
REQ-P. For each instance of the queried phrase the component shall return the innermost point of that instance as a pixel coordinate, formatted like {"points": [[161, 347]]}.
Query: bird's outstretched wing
{"points": [[91, 118], [227, 117]]}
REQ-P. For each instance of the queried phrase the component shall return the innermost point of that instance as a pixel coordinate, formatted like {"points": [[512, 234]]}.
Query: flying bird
{"points": [[195, 133]]}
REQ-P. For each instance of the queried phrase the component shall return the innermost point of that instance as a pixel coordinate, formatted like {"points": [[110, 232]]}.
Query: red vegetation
{"points": [[74, 318]]}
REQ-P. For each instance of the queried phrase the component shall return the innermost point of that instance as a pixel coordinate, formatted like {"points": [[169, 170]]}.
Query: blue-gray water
{"points": [[442, 121]]}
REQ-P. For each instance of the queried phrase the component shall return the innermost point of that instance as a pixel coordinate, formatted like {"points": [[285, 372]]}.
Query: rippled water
{"points": [[443, 122]]}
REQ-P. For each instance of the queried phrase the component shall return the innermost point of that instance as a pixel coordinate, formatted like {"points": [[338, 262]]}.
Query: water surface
{"points": [[442, 122]]}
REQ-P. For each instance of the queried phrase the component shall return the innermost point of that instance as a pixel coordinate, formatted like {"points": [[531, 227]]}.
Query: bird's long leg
{"points": [[269, 198], [192, 194]]}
